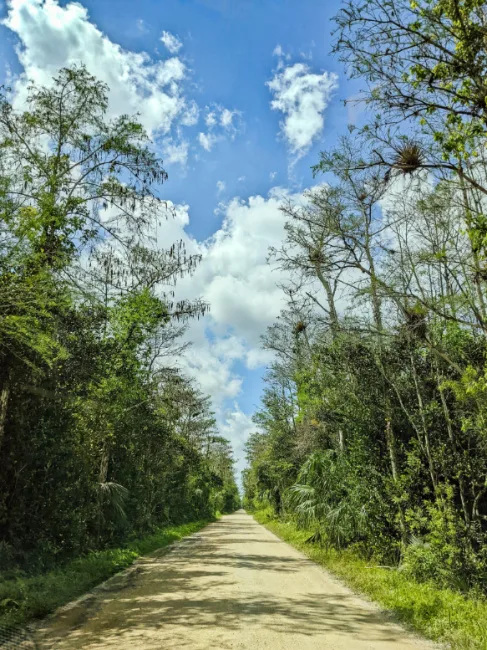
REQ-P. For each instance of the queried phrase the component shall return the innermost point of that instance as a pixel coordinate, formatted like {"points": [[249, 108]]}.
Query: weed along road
{"points": [[231, 585]]}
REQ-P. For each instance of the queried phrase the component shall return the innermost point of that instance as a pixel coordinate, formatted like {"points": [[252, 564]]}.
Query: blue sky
{"points": [[228, 45], [203, 74]]}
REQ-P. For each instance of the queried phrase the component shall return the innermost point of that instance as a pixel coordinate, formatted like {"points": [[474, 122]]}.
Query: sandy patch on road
{"points": [[231, 585]]}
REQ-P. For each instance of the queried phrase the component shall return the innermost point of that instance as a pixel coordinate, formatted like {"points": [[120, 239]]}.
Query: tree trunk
{"points": [[4, 399], [453, 442], [477, 266], [102, 478], [392, 447], [330, 298], [427, 445]]}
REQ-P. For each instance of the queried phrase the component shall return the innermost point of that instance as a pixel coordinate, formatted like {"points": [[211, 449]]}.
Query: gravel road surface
{"points": [[232, 585]]}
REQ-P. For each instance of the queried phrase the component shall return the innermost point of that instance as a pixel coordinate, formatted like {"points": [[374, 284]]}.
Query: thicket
{"points": [[101, 438], [372, 428]]}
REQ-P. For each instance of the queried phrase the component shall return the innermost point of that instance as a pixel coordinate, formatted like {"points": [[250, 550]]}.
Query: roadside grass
{"points": [[439, 614], [28, 597]]}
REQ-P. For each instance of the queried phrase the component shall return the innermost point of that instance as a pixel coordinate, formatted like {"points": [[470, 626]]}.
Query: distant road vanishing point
{"points": [[231, 585]]}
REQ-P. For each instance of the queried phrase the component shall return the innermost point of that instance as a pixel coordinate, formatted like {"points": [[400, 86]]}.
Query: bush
{"points": [[444, 553]]}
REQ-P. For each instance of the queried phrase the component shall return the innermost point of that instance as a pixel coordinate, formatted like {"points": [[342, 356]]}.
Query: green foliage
{"points": [[328, 496], [441, 555], [99, 441], [371, 431]]}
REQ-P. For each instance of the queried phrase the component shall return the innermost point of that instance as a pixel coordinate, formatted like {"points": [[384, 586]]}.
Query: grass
{"points": [[439, 614], [25, 598]]}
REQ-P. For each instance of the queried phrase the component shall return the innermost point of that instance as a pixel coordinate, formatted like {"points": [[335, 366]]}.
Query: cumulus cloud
{"points": [[211, 119], [171, 42], [191, 114], [175, 153], [278, 51], [281, 54], [52, 36], [226, 118], [237, 427], [234, 275], [210, 366], [207, 140], [221, 123], [302, 97]]}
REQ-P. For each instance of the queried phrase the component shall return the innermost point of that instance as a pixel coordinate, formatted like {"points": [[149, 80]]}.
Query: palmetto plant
{"points": [[113, 496], [324, 498]]}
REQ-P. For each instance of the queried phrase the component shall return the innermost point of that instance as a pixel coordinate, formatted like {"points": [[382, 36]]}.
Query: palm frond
{"points": [[114, 495]]}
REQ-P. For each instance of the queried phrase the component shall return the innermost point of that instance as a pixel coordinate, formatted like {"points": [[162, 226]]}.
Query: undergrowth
{"points": [[442, 615], [24, 598]]}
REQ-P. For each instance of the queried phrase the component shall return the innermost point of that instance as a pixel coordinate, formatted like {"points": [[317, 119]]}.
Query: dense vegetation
{"points": [[372, 428], [101, 440]]}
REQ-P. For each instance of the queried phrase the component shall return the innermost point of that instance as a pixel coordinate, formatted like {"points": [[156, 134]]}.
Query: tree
{"points": [[425, 63], [98, 439]]}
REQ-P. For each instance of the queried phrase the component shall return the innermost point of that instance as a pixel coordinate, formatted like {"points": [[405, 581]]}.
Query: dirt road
{"points": [[232, 585]]}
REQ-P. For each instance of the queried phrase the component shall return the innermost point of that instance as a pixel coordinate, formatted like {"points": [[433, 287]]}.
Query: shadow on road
{"points": [[195, 590]]}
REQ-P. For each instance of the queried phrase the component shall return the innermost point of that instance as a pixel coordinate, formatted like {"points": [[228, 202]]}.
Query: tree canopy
{"points": [[99, 439], [371, 431]]}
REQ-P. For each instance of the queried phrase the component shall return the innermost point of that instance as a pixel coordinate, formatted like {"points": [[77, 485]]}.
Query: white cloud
{"points": [[207, 140], [235, 279], [272, 176], [302, 96], [234, 275], [237, 427], [229, 347], [226, 118], [171, 42], [191, 114], [220, 187], [175, 153], [210, 366], [221, 123], [52, 36], [278, 51], [210, 119], [141, 26], [241, 179], [257, 358]]}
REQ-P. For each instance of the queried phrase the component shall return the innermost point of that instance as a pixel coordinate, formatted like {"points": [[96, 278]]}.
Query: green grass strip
{"points": [[25, 598], [438, 614]]}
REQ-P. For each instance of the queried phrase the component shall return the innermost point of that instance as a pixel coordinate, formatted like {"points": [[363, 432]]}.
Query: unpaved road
{"points": [[232, 585]]}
